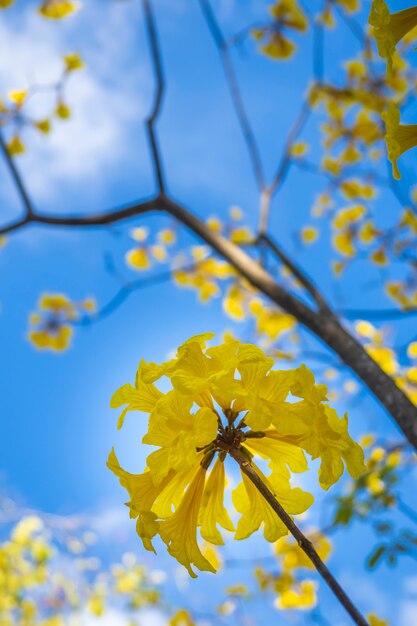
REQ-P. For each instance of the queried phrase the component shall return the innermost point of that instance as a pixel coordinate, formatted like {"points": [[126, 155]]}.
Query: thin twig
{"points": [[306, 545], [127, 289], [295, 130], [407, 510], [159, 93], [301, 276], [29, 211], [237, 99], [377, 314]]}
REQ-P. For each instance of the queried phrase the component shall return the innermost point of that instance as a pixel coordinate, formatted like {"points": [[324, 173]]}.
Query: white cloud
{"points": [[408, 613], [106, 98], [114, 617], [410, 585], [110, 520]]}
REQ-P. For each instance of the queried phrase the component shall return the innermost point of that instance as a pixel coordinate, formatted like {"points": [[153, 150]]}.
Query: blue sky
{"points": [[57, 428]]}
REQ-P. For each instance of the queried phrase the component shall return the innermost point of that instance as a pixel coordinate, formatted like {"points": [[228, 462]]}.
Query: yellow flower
{"points": [[140, 233], [234, 302], [73, 62], [293, 557], [241, 235], [89, 305], [57, 340], [16, 146], [298, 150], [302, 595], [213, 511], [179, 531], [5, 4], [367, 440], [269, 321], [205, 274], [374, 620], [327, 16], [309, 234], [236, 213], [343, 243], [58, 9], [96, 604], [179, 433], [167, 236], [412, 350], [181, 618], [218, 395], [159, 252], [18, 97], [287, 15], [379, 257], [368, 232], [138, 259], [141, 397], [44, 126], [385, 357], [63, 111], [390, 28], [256, 511], [53, 324], [215, 224], [399, 137], [365, 329], [374, 484]]}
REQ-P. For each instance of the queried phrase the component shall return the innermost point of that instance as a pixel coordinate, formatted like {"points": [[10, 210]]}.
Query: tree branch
{"points": [[237, 99], [99, 219], [17, 179], [159, 93], [306, 545], [302, 277]]}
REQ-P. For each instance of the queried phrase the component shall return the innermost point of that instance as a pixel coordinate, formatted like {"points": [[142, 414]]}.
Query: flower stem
{"points": [[306, 545]]}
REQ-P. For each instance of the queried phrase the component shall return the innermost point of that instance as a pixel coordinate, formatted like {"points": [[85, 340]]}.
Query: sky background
{"points": [[56, 425]]}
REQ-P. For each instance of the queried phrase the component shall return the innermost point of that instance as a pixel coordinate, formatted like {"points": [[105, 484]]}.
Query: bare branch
{"points": [[127, 289], [302, 277], [377, 314], [159, 93], [98, 219], [295, 130], [306, 545], [27, 203], [239, 106]]}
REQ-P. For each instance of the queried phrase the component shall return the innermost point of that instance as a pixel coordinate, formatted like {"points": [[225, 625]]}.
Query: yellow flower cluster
{"points": [[327, 15], [292, 591], [53, 323], [203, 274], [140, 257], [14, 112], [405, 376], [34, 591], [390, 28], [287, 15], [222, 399], [374, 490], [375, 346]]}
